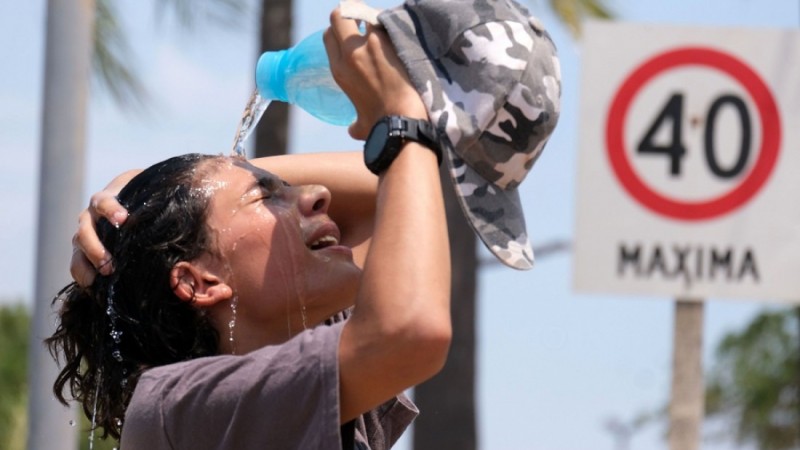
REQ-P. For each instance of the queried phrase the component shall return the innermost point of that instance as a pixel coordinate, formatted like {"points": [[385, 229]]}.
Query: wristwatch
{"points": [[388, 136]]}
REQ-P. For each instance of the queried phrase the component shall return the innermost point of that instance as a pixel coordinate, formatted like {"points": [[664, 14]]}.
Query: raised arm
{"points": [[352, 186], [399, 333]]}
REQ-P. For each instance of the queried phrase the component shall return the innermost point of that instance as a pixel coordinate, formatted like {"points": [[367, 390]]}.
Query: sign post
{"points": [[687, 397], [687, 179]]}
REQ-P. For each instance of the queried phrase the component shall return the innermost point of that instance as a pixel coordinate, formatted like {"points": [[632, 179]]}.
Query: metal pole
{"points": [[66, 85], [687, 400]]}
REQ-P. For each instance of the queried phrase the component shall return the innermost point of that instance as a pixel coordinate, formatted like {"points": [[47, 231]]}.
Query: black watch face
{"points": [[376, 142]]}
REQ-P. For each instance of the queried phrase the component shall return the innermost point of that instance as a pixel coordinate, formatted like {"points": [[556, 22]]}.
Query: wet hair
{"points": [[129, 321]]}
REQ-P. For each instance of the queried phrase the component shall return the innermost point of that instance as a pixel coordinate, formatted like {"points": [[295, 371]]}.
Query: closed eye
{"points": [[270, 185]]}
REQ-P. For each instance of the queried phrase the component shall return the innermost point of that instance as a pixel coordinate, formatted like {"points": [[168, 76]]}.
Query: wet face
{"points": [[277, 248]]}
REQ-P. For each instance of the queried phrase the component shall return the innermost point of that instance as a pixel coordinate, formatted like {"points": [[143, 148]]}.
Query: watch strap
{"points": [[416, 130], [391, 133]]}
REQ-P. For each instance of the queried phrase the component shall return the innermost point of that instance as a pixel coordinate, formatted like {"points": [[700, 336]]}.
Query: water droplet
{"points": [[116, 335], [72, 423], [232, 323], [118, 421], [117, 355]]}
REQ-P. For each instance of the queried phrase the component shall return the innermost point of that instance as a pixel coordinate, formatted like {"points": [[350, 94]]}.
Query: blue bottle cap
{"points": [[270, 76]]}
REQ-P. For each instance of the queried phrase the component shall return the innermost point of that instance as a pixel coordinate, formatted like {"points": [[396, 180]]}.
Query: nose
{"points": [[313, 199]]}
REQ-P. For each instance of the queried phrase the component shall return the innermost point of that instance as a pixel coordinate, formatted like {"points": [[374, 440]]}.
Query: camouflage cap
{"points": [[488, 73]]}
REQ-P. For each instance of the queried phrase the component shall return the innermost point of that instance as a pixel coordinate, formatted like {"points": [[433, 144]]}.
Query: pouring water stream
{"points": [[250, 117]]}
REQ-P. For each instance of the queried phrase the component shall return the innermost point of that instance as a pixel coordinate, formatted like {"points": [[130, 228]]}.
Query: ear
{"points": [[195, 284]]}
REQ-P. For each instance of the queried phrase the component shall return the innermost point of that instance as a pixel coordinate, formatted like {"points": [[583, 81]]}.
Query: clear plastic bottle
{"points": [[302, 76]]}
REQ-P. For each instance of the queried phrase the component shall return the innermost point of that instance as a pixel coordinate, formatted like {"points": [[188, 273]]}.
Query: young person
{"points": [[250, 278], [210, 330]]}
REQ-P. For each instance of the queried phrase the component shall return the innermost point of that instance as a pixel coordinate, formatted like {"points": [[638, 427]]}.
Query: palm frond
{"points": [[226, 13], [572, 12], [111, 59]]}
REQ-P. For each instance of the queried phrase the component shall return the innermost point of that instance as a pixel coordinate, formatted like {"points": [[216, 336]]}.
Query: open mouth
{"points": [[323, 236], [323, 242]]}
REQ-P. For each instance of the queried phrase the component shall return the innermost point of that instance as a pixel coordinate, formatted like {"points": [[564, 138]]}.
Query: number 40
{"points": [[675, 150]]}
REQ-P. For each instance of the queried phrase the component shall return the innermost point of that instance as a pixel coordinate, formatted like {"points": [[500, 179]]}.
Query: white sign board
{"points": [[689, 162]]}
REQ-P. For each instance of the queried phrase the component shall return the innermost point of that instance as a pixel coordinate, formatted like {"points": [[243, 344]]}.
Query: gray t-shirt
{"points": [[278, 397]]}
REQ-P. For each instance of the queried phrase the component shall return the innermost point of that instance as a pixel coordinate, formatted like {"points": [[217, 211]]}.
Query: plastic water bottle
{"points": [[302, 76]]}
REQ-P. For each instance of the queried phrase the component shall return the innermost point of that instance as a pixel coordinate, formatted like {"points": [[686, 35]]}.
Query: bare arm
{"points": [[399, 333]]}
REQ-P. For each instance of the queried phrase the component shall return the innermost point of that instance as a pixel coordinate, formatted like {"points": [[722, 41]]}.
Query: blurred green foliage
{"points": [[754, 384], [14, 331], [14, 326]]}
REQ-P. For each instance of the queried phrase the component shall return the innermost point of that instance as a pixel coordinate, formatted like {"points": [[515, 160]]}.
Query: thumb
{"points": [[358, 130]]}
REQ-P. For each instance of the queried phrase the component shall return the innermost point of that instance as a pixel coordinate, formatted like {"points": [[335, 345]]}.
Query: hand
{"points": [[368, 70], [89, 256]]}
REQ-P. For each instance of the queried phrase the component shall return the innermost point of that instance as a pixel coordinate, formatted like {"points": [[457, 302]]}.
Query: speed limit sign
{"points": [[688, 164]]}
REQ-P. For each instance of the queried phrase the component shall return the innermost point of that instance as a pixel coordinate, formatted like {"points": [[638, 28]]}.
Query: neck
{"points": [[247, 336]]}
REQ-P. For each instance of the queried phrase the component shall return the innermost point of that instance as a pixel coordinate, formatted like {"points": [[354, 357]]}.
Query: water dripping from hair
{"points": [[232, 322], [94, 411]]}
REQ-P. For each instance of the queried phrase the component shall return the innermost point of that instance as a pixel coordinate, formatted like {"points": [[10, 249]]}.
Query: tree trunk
{"points": [[272, 132], [447, 401], [66, 85]]}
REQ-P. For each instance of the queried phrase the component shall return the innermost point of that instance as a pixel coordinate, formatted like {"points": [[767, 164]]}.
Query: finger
{"points": [[377, 30], [81, 269], [342, 28], [88, 244], [105, 204], [331, 46], [358, 131]]}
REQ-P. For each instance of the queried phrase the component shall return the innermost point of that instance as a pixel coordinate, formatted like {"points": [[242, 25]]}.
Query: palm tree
{"points": [[272, 134], [67, 60]]}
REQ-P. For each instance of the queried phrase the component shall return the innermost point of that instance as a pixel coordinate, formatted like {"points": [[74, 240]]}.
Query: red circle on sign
{"points": [[750, 185]]}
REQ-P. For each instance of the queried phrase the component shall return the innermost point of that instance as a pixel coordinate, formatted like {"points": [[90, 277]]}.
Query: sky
{"points": [[555, 366]]}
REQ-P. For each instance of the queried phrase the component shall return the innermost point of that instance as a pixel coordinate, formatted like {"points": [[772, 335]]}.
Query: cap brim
{"points": [[495, 214]]}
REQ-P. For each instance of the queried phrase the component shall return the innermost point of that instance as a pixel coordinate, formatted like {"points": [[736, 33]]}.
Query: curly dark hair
{"points": [[129, 321]]}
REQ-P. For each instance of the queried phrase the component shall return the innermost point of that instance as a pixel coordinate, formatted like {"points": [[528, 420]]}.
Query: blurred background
{"points": [[537, 366]]}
